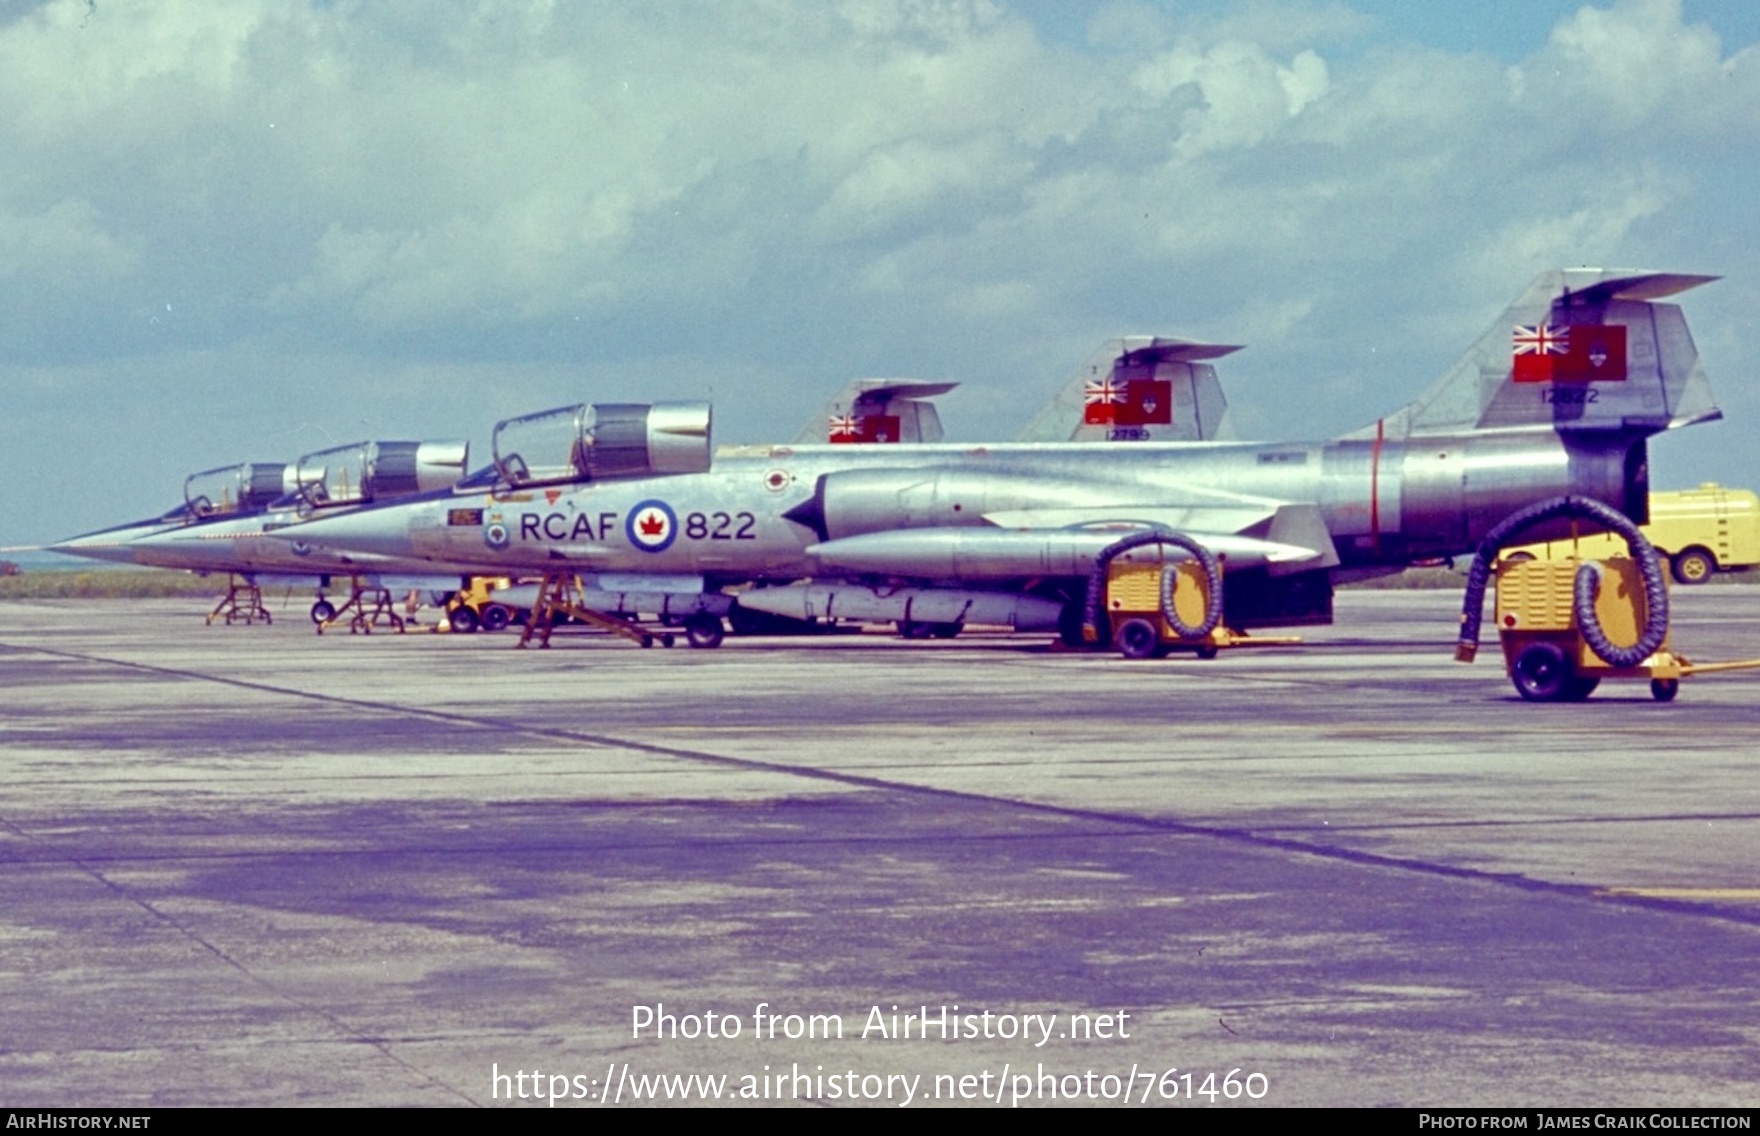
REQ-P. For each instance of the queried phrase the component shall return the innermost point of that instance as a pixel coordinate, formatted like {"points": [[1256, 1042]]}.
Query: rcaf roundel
{"points": [[652, 526]]}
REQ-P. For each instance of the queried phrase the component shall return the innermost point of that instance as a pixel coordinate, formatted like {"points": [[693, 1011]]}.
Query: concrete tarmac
{"points": [[251, 865]]}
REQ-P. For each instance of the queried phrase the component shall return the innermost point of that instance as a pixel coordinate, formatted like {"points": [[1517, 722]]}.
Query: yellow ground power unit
{"points": [[1140, 629], [1544, 647], [1569, 622]]}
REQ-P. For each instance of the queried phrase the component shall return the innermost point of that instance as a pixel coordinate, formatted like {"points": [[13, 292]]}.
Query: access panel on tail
{"points": [[1139, 388]]}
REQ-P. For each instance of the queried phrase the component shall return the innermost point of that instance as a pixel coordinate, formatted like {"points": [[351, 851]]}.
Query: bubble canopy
{"points": [[600, 441], [241, 488], [368, 471]]}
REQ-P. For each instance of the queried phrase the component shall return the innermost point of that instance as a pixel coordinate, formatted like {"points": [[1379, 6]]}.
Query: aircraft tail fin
{"points": [[1138, 388], [878, 411], [1581, 350]]}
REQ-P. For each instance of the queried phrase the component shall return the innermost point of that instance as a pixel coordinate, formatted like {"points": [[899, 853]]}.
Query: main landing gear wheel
{"points": [[463, 620], [323, 611], [1137, 639], [1694, 566], [1542, 674], [704, 630]]}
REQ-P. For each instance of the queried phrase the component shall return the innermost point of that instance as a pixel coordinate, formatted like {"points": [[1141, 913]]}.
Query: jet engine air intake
{"points": [[603, 441]]}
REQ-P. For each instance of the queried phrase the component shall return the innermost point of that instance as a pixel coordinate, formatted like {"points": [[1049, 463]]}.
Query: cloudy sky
{"points": [[247, 230]]}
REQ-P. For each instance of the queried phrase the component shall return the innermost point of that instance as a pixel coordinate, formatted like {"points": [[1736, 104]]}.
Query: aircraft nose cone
{"points": [[384, 532], [111, 544]]}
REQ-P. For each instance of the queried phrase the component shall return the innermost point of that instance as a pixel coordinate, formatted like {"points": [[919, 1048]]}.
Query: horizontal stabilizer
{"points": [[1642, 287], [884, 390]]}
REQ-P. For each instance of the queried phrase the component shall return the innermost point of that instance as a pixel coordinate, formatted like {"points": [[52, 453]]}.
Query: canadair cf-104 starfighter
{"points": [[1558, 397], [222, 524]]}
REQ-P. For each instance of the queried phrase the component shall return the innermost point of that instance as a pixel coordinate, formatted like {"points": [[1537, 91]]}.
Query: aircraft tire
{"points": [[1137, 639], [1541, 673], [704, 631], [495, 617], [463, 620], [1580, 688], [323, 611], [1694, 566]]}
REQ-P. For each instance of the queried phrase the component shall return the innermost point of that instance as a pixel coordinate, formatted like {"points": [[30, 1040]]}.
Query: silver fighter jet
{"points": [[1559, 396], [220, 528], [212, 494]]}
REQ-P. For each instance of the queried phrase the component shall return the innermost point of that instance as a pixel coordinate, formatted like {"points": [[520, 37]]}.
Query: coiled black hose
{"points": [[1207, 563], [1587, 580]]}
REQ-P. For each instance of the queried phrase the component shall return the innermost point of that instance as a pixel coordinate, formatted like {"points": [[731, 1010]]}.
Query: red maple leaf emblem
{"points": [[652, 524]]}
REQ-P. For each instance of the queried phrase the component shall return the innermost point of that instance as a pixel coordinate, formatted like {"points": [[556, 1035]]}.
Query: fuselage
{"points": [[759, 510]]}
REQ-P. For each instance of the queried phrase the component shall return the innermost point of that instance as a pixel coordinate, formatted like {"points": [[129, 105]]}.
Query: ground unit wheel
{"points": [[704, 630], [1137, 639], [1694, 566], [495, 617], [1580, 688], [463, 620], [1664, 689], [323, 611], [1541, 673]]}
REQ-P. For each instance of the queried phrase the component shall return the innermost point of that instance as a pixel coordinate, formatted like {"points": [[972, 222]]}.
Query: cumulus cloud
{"points": [[766, 198], [1244, 95]]}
